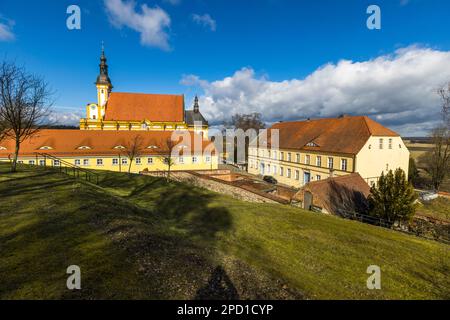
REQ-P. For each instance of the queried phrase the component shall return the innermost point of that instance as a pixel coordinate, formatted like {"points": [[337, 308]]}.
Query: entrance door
{"points": [[306, 177]]}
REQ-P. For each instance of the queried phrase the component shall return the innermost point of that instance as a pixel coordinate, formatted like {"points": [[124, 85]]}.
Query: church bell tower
{"points": [[103, 84]]}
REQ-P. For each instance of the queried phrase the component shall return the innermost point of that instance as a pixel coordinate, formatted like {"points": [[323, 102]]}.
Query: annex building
{"points": [[318, 149], [124, 131]]}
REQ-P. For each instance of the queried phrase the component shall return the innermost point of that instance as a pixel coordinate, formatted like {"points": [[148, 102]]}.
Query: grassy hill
{"points": [[139, 237]]}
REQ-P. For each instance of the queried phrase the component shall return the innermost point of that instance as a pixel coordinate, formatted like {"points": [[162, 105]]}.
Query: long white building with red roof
{"points": [[318, 149]]}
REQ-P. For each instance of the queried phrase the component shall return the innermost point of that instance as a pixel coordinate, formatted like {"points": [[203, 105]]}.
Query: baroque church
{"points": [[111, 127], [138, 111]]}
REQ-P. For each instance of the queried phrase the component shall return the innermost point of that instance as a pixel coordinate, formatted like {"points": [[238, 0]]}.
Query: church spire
{"points": [[196, 106], [103, 77]]}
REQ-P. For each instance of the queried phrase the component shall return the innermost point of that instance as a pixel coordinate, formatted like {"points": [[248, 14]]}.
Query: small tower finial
{"points": [[196, 106]]}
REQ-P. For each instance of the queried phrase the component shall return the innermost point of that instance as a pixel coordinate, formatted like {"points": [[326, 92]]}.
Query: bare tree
{"points": [[437, 161], [134, 149], [444, 93], [248, 121], [245, 122], [168, 157], [24, 105]]}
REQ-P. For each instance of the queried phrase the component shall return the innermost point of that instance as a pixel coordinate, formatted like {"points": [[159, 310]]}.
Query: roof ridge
{"points": [[367, 125], [149, 94]]}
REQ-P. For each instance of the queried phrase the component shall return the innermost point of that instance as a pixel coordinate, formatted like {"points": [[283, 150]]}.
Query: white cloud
{"points": [[6, 32], [399, 90], [404, 2], [173, 2], [68, 118], [205, 20], [151, 23]]}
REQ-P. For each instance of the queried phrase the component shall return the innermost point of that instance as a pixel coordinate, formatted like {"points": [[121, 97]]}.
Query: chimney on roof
{"points": [[196, 106], [343, 115]]}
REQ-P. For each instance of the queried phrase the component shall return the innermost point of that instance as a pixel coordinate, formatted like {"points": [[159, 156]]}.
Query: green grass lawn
{"points": [[139, 237], [438, 208]]}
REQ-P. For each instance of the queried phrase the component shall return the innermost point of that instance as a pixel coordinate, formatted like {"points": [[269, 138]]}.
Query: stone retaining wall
{"points": [[218, 186]]}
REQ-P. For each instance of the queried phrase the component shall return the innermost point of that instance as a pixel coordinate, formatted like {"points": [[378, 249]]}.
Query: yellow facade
{"points": [[296, 168], [120, 163], [379, 155]]}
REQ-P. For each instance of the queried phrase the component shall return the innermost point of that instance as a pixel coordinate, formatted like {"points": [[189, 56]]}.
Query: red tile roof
{"points": [[138, 107], [347, 134], [65, 143], [347, 192]]}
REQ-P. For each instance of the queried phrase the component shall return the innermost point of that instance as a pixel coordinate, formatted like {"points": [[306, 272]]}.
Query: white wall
{"points": [[371, 161]]}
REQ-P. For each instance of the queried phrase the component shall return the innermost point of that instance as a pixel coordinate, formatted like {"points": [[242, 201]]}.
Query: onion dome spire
{"points": [[103, 77]]}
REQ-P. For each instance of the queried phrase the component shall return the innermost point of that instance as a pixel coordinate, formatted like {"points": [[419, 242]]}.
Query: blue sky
{"points": [[285, 59]]}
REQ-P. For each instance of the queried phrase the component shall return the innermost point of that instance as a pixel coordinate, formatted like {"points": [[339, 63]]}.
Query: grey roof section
{"points": [[190, 117]]}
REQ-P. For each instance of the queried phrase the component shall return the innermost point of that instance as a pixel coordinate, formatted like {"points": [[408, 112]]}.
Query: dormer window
{"points": [[152, 147], [311, 144], [84, 148], [2, 148], [45, 148], [119, 147]]}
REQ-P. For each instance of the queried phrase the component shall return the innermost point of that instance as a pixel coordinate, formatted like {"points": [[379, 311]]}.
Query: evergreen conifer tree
{"points": [[393, 198]]}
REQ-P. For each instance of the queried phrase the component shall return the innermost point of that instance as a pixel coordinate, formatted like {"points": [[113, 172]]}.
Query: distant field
{"points": [[418, 149], [138, 237]]}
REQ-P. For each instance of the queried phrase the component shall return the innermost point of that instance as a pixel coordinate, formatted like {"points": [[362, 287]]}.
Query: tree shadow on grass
{"points": [[178, 252], [191, 210], [219, 287]]}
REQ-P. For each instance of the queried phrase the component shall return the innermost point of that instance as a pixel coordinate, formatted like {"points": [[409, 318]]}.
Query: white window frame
{"points": [[115, 161], [330, 163], [307, 159], [99, 162], [319, 161], [138, 161], [77, 162], [124, 161], [85, 162], [344, 164]]}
